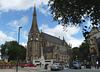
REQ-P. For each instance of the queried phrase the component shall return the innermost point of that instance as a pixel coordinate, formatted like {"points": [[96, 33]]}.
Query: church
{"points": [[53, 48]]}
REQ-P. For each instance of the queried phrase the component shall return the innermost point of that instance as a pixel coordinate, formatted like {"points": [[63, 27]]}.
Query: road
{"points": [[40, 69], [74, 70]]}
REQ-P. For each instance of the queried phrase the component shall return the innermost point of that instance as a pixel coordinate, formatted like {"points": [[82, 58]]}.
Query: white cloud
{"points": [[6, 5], [17, 23], [45, 11], [25, 35], [59, 31], [24, 44], [4, 37]]}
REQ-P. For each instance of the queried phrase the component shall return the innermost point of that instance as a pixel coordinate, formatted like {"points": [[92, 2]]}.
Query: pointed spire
{"points": [[34, 27], [34, 14]]}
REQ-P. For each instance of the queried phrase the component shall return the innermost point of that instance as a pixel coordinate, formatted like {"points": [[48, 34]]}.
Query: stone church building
{"points": [[53, 48]]}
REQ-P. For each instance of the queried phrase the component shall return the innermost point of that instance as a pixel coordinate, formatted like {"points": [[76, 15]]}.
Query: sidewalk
{"points": [[25, 69], [93, 68]]}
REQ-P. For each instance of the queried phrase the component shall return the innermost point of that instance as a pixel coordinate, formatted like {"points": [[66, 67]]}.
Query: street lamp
{"points": [[18, 47]]}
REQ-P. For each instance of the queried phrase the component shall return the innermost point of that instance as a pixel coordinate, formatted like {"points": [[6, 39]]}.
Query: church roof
{"points": [[48, 49], [65, 52], [52, 39]]}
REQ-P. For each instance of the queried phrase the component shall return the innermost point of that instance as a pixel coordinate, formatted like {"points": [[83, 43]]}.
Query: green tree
{"points": [[82, 52], [14, 50], [75, 11], [76, 54], [84, 49]]}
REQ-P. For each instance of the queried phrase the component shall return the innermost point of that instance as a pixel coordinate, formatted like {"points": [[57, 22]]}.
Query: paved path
{"points": [[38, 69], [25, 69]]}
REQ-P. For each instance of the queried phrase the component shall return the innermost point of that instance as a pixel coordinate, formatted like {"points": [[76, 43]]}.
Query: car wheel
{"points": [[51, 69], [62, 68], [80, 67]]}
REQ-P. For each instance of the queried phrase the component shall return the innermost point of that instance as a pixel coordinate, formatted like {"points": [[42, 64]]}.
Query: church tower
{"points": [[33, 44]]}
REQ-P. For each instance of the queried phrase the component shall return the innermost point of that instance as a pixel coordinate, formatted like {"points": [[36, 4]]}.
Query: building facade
{"points": [[53, 48], [94, 38]]}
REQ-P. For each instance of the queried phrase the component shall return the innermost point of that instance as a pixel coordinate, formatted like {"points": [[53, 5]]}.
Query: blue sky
{"points": [[15, 13]]}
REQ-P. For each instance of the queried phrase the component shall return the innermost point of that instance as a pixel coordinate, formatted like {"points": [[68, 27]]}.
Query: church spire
{"points": [[34, 14], [34, 27]]}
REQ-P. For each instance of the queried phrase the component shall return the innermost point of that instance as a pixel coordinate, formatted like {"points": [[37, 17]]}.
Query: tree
{"points": [[84, 49], [82, 52], [14, 50], [75, 12], [76, 54]]}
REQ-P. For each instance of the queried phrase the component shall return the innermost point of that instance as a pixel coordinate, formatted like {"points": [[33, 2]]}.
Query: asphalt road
{"points": [[74, 70]]}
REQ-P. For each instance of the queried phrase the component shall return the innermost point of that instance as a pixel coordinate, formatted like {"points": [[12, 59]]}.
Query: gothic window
{"points": [[62, 58], [31, 37], [57, 47], [45, 57], [36, 37]]}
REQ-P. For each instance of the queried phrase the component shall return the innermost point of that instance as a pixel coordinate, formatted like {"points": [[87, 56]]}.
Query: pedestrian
{"points": [[40, 64], [97, 64]]}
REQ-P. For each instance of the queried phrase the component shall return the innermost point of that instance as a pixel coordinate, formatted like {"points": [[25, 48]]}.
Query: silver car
{"points": [[57, 66], [67, 65]]}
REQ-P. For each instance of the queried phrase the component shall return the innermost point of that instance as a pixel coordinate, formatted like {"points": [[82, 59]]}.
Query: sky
{"points": [[16, 13]]}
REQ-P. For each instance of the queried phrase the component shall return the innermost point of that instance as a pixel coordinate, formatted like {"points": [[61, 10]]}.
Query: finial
{"points": [[34, 4], [34, 9], [63, 38]]}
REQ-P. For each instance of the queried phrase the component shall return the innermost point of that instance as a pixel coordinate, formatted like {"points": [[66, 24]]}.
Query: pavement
{"points": [[37, 69], [25, 69]]}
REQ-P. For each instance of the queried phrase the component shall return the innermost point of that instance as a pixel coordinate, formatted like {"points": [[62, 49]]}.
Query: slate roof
{"points": [[48, 49], [52, 39], [63, 52]]}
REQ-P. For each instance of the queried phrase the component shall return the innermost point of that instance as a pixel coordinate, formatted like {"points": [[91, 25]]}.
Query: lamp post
{"points": [[18, 47]]}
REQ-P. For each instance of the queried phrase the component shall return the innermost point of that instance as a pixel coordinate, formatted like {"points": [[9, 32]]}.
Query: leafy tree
{"points": [[76, 54], [14, 50], [75, 11], [82, 52], [84, 49]]}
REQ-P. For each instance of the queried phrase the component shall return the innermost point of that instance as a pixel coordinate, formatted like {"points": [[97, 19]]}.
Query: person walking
{"points": [[97, 64], [40, 64]]}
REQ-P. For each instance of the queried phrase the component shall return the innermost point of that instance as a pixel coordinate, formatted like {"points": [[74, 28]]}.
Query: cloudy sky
{"points": [[15, 13]]}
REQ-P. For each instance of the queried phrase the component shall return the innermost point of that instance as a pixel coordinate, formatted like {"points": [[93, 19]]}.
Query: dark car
{"points": [[57, 66], [75, 65]]}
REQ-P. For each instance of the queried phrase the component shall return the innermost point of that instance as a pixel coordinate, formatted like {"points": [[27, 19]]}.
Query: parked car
{"points": [[20, 64], [75, 65], [32, 65], [26, 65], [67, 64], [57, 66]]}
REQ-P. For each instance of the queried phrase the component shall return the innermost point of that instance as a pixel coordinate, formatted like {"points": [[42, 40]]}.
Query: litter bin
{"points": [[46, 66]]}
